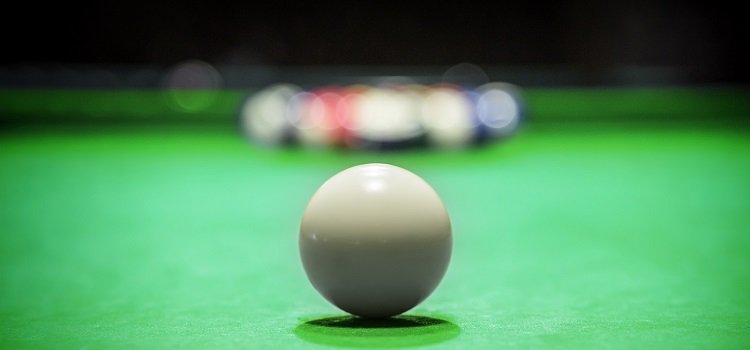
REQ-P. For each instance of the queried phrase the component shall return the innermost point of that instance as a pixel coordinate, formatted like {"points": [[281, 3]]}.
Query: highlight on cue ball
{"points": [[375, 240]]}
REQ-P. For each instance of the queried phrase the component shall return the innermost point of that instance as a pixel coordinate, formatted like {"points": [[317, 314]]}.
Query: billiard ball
{"points": [[499, 108], [375, 240], [481, 134], [320, 118], [386, 118], [265, 116], [447, 118]]}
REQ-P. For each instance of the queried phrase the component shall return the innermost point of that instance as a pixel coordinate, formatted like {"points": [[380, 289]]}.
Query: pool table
{"points": [[614, 218]]}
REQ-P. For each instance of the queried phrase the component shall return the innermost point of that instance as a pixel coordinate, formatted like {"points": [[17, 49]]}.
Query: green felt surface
{"points": [[179, 237], [701, 104]]}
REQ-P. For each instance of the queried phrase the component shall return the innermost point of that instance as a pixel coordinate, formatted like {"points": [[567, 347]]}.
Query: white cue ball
{"points": [[375, 240]]}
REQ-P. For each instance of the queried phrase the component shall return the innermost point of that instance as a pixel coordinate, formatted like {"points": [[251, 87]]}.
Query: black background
{"points": [[704, 40]]}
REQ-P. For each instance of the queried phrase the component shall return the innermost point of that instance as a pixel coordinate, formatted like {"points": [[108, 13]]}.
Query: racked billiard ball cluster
{"points": [[382, 117]]}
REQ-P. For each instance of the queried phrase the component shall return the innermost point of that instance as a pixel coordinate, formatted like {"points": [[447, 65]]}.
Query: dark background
{"points": [[702, 41]]}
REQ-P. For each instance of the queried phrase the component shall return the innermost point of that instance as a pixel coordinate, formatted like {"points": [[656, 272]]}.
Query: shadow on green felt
{"points": [[400, 331]]}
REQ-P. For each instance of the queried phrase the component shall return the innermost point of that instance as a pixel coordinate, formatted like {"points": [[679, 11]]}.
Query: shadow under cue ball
{"points": [[375, 240]]}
